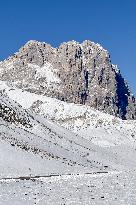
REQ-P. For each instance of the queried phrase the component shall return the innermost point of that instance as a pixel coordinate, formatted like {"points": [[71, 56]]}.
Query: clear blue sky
{"points": [[111, 23]]}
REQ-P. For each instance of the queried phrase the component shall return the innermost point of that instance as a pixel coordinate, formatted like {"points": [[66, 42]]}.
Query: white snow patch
{"points": [[47, 71]]}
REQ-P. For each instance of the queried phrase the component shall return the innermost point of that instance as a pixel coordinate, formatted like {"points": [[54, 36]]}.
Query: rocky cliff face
{"points": [[73, 72]]}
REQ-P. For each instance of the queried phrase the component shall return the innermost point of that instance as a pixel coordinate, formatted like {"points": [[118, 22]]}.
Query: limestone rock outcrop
{"points": [[73, 72]]}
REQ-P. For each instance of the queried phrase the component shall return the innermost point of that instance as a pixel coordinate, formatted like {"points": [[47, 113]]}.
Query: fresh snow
{"points": [[102, 129], [47, 71], [98, 189], [65, 153]]}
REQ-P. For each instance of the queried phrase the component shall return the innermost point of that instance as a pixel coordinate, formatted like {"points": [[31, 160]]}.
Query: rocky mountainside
{"points": [[73, 72]]}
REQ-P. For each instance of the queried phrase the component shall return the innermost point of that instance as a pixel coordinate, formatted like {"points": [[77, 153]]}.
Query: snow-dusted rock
{"points": [[73, 72]]}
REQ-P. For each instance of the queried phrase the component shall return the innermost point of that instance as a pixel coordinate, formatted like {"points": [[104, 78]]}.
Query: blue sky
{"points": [[112, 23]]}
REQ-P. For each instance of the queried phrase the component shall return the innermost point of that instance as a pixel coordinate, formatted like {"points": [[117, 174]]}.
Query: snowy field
{"points": [[100, 189]]}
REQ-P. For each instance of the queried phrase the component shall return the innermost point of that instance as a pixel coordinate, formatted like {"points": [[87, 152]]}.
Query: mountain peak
{"points": [[74, 72]]}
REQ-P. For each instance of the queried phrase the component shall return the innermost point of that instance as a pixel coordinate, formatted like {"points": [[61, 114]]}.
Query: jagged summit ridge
{"points": [[73, 72]]}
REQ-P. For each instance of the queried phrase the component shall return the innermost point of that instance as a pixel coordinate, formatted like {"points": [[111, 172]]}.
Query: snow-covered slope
{"points": [[29, 144], [55, 152], [100, 128], [95, 136]]}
